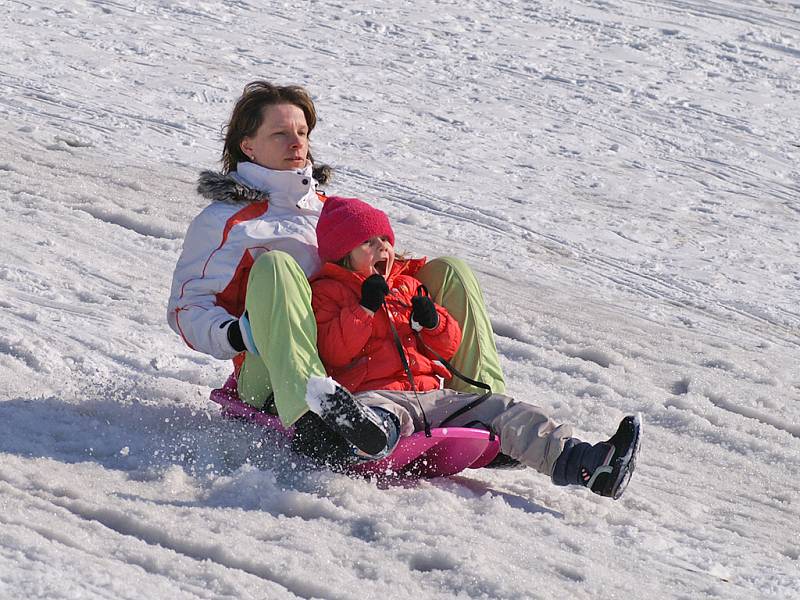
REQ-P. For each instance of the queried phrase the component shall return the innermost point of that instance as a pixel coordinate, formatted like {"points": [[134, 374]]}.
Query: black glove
{"points": [[373, 291], [240, 336], [235, 336], [423, 312]]}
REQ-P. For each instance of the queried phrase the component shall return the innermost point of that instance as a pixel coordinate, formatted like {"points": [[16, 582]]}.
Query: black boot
{"points": [[314, 439], [371, 430], [605, 467]]}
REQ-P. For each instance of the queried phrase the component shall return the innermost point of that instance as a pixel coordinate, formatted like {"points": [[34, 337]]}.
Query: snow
{"points": [[622, 176], [317, 390]]}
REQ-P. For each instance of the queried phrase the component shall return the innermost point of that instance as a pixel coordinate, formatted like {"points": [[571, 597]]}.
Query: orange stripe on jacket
{"points": [[248, 213]]}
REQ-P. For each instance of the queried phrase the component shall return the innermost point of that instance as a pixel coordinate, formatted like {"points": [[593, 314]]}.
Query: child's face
{"points": [[376, 255]]}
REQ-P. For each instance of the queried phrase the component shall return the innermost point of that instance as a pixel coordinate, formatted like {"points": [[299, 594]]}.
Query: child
{"points": [[381, 337]]}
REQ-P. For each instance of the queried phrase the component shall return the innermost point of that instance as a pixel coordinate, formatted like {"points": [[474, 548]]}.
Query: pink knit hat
{"points": [[346, 223]]}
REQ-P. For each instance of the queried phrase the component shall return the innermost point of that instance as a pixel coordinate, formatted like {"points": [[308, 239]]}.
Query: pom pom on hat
{"points": [[346, 223]]}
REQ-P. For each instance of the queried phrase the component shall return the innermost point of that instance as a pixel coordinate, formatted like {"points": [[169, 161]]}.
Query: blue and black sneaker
{"points": [[612, 477], [606, 467]]}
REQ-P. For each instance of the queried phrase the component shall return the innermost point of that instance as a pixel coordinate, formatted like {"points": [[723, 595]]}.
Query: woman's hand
{"points": [[240, 336]]}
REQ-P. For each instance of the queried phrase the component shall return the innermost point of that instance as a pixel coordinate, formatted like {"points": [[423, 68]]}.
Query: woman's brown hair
{"points": [[248, 114]]}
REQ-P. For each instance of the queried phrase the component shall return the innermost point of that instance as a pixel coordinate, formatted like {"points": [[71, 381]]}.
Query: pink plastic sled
{"points": [[449, 450]]}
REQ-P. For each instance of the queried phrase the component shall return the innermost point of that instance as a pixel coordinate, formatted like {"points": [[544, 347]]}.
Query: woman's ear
{"points": [[246, 146]]}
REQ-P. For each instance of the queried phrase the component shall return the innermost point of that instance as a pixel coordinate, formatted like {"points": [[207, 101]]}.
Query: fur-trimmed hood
{"points": [[227, 188]]}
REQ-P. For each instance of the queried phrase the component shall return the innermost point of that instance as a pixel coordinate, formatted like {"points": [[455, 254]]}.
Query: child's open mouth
{"points": [[380, 267]]}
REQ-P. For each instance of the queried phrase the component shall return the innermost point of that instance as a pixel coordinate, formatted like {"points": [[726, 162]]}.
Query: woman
{"points": [[240, 288]]}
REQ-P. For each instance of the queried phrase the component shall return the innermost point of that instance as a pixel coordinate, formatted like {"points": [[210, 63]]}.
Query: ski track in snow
{"points": [[621, 174]]}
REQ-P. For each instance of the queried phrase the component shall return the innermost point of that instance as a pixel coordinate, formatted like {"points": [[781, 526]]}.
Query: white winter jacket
{"points": [[255, 210]]}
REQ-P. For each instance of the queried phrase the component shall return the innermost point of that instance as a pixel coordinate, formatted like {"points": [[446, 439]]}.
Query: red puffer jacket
{"points": [[359, 350]]}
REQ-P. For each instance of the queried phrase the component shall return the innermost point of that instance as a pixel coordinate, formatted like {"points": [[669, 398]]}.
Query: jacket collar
{"points": [[219, 187], [287, 189]]}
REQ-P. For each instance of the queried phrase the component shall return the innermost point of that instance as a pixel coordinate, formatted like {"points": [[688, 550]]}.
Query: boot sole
{"points": [[354, 422], [626, 464]]}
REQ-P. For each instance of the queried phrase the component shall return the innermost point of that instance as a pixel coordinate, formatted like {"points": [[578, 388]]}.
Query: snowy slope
{"points": [[621, 174]]}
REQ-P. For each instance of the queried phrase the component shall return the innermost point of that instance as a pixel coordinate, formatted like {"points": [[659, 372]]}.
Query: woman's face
{"points": [[376, 255], [281, 142]]}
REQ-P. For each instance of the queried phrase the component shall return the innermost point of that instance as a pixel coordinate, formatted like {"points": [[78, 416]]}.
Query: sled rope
{"points": [[423, 291], [404, 359]]}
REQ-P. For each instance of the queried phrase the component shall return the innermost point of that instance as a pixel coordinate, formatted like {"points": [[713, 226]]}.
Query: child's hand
{"points": [[423, 313], [373, 291]]}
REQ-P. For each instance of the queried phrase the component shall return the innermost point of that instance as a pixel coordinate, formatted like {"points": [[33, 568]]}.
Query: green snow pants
{"points": [[278, 304], [452, 284]]}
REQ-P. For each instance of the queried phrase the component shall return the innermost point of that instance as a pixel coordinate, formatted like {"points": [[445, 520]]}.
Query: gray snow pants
{"points": [[526, 432]]}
